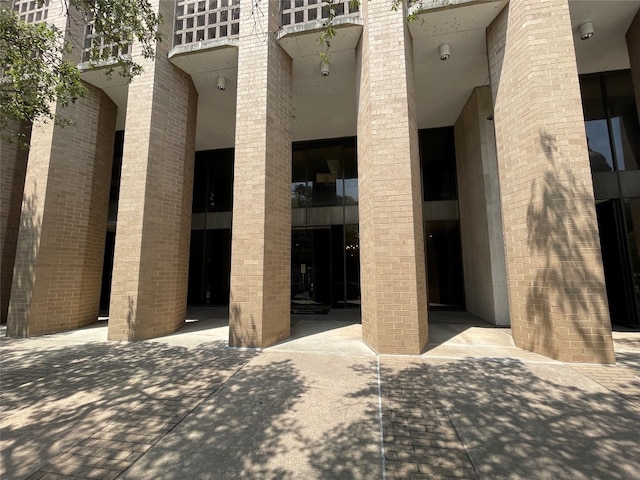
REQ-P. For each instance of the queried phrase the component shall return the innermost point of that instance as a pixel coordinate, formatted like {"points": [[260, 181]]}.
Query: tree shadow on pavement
{"points": [[55, 398], [539, 421], [264, 423]]}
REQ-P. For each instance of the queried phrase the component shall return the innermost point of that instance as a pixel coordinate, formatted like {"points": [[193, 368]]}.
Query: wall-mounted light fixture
{"points": [[445, 52], [324, 69], [222, 83], [586, 30]]}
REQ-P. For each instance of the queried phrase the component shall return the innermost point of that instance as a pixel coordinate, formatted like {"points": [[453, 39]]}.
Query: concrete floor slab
{"points": [[285, 415], [529, 420], [187, 406]]}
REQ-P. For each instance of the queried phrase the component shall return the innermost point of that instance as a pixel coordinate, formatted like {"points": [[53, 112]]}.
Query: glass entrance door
{"points": [[311, 270], [325, 268], [618, 224]]}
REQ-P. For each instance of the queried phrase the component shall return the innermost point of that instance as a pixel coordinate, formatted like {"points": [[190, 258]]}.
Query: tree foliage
{"points": [[36, 65]]}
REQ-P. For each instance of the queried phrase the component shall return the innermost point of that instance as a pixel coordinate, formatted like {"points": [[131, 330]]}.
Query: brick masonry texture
{"points": [[13, 165], [261, 236], [58, 266], [394, 298], [149, 283], [557, 294]]}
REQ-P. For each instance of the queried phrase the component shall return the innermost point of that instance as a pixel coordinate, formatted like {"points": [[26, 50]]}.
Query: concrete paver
{"points": [[319, 405]]}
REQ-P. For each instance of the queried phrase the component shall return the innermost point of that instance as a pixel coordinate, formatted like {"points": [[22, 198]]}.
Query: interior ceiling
{"points": [[325, 107]]}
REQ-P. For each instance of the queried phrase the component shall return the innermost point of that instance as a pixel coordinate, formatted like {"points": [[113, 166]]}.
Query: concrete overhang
{"points": [[114, 85], [302, 39], [206, 61], [443, 87]]}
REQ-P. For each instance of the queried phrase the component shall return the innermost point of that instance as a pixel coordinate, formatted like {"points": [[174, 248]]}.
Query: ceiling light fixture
{"points": [[324, 69], [445, 52], [222, 83], [586, 31]]}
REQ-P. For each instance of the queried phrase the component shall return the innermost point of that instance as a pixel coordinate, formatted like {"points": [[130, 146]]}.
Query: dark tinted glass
{"points": [[213, 181], [324, 173], [595, 121], [624, 120], [438, 159]]}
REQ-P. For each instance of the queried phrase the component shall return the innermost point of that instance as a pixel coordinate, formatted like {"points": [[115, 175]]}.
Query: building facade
{"points": [[482, 154]]}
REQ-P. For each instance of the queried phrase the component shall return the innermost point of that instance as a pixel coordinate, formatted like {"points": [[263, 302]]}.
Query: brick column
{"points": [[149, 282], [13, 165], [58, 267], [633, 45], [557, 294], [259, 311], [394, 294]]}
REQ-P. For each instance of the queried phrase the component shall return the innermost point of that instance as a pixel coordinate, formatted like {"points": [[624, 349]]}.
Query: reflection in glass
{"points": [[611, 121], [324, 173], [624, 119]]}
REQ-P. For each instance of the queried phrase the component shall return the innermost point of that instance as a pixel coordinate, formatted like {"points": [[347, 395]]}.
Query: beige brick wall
{"points": [[485, 275], [58, 267], [557, 294], [633, 44], [13, 165], [149, 282], [259, 312], [394, 296]]}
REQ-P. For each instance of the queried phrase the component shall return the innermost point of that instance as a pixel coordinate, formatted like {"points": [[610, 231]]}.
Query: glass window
{"points": [[350, 174], [595, 121], [324, 173], [438, 159], [624, 120], [300, 194], [199, 204], [213, 181], [220, 194], [632, 214], [611, 121]]}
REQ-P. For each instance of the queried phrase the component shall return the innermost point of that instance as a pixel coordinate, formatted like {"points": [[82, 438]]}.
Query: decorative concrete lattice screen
{"points": [[301, 11], [107, 51], [31, 11], [199, 20]]}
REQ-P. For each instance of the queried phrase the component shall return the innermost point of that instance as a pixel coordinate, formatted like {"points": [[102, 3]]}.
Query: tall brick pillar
{"points": [[557, 294], [633, 45], [394, 294], [13, 165], [58, 266], [259, 311], [149, 282]]}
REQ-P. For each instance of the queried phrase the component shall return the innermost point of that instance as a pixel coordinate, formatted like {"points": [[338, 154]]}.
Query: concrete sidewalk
{"points": [[319, 405]]}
